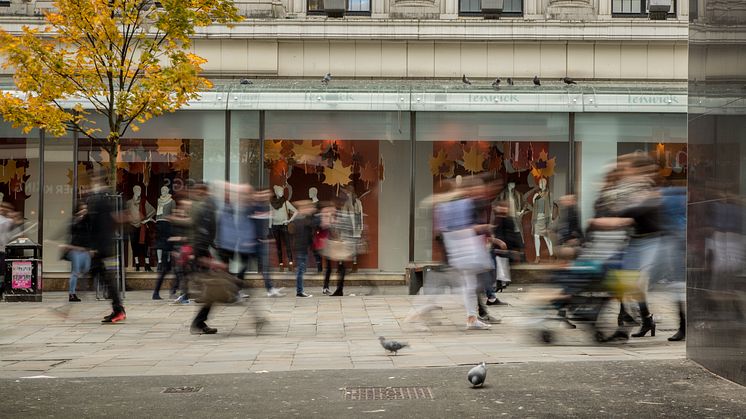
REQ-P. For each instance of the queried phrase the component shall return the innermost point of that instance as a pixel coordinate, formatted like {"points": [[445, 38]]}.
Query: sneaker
{"points": [[326, 291], [203, 330], [114, 317], [73, 298], [274, 292], [157, 297], [489, 319], [303, 295], [477, 325], [241, 294], [494, 301], [181, 300]]}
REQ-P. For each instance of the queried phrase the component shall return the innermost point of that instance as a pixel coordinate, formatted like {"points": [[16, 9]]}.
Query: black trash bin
{"points": [[23, 271]]}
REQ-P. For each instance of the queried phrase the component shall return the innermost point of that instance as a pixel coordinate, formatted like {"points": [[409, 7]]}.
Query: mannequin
{"points": [[515, 206], [313, 195], [282, 214], [354, 207], [141, 213], [542, 206], [163, 228]]}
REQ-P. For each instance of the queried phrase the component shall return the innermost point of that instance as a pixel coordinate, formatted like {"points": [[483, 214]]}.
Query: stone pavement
{"points": [[62, 339]]}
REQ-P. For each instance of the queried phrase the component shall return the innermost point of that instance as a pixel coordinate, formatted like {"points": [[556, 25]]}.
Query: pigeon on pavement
{"points": [[477, 375], [568, 80], [392, 345], [537, 82], [465, 79], [327, 78]]}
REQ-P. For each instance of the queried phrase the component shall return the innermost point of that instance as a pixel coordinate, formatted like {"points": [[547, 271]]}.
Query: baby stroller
{"points": [[585, 287]]}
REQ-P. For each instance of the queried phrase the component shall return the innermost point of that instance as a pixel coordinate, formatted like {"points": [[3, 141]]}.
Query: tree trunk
{"points": [[113, 149]]}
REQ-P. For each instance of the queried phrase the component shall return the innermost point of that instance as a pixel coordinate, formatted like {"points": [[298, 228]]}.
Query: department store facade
{"points": [[396, 122]]}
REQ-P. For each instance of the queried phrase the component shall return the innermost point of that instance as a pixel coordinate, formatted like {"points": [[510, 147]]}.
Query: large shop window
{"points": [[512, 152], [153, 164], [353, 7], [361, 156], [632, 8], [602, 138], [19, 180]]}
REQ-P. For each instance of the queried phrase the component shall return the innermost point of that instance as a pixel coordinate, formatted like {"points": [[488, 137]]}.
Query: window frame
{"points": [[480, 14], [643, 6], [322, 12]]}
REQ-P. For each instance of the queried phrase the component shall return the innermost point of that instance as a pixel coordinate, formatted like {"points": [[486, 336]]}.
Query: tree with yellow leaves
{"points": [[130, 60]]}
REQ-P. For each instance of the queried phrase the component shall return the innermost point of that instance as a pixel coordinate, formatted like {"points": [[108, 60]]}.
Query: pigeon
{"points": [[537, 82], [496, 83], [246, 81], [477, 375], [510, 81], [465, 80], [568, 80], [327, 78], [392, 345]]}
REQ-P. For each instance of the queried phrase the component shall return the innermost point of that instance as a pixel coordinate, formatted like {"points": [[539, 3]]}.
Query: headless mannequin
{"points": [[515, 206], [163, 226], [354, 207], [281, 211], [141, 213], [542, 216]]}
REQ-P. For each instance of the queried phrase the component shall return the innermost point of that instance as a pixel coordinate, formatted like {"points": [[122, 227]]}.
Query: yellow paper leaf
{"points": [[474, 160], [273, 150], [337, 175], [436, 162], [306, 153]]}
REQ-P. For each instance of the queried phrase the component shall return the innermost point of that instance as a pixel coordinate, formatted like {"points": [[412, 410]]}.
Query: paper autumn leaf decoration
{"points": [[182, 163], [83, 179], [307, 154], [369, 174], [543, 166], [16, 184], [381, 169], [272, 150], [337, 175], [440, 165], [168, 148], [474, 160], [11, 170], [279, 167]]}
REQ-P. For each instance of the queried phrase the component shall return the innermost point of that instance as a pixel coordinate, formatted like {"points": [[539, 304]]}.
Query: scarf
{"points": [[276, 202]]}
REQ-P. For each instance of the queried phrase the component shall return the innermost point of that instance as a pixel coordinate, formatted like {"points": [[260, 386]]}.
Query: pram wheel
{"points": [[546, 336]]}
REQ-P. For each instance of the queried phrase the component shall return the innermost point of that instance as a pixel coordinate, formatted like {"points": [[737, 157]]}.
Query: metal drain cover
{"points": [[388, 393], [182, 389]]}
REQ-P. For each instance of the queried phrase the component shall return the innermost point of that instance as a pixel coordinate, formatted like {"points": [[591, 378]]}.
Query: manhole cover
{"points": [[183, 389], [388, 393]]}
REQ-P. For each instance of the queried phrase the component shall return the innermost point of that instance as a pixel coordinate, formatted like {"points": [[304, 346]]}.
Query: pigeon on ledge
{"points": [[477, 375], [496, 83], [568, 80], [465, 79], [327, 78], [392, 345], [537, 82]]}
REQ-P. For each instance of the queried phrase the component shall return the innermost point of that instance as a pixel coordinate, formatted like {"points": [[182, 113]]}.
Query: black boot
{"points": [[681, 334], [648, 325]]}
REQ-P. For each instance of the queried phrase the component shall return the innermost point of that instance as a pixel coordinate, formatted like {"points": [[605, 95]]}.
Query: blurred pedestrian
{"points": [[673, 249], [340, 245], [260, 214], [305, 228], [76, 250], [104, 221], [465, 246], [568, 229]]}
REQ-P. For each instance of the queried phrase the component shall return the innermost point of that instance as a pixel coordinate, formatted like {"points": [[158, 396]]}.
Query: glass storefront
{"points": [[367, 156]]}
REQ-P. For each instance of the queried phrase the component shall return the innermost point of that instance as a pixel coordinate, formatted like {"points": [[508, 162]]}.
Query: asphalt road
{"points": [[641, 389]]}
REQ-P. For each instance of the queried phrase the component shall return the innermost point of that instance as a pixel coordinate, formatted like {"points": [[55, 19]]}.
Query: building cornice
{"points": [[430, 30]]}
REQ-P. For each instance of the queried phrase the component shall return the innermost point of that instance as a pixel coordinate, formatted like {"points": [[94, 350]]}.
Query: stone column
{"points": [[451, 9]]}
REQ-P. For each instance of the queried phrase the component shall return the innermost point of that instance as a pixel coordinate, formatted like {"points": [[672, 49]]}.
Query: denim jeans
{"points": [[80, 262], [300, 264]]}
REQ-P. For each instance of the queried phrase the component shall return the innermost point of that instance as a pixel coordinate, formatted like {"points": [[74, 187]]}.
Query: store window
{"points": [[245, 148], [361, 156], [511, 152], [58, 200], [602, 138], [19, 178], [155, 164], [474, 7]]}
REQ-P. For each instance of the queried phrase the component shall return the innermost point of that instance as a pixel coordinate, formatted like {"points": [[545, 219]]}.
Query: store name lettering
{"points": [[653, 99], [494, 98]]}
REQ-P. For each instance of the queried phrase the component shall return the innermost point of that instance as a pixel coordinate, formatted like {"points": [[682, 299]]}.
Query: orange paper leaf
{"points": [[337, 174], [474, 160]]}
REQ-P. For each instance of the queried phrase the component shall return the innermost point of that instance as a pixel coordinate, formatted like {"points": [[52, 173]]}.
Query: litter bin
{"points": [[417, 273], [23, 278]]}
